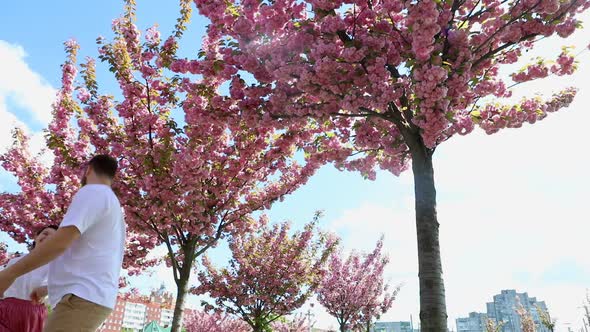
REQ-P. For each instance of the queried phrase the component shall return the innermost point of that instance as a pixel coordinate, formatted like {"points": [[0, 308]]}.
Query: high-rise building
{"points": [[503, 311], [476, 322], [114, 322]]}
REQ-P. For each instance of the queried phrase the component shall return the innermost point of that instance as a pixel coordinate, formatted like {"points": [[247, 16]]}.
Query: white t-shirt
{"points": [[90, 267], [24, 285]]}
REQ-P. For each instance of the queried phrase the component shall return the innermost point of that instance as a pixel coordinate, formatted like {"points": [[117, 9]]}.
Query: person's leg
{"points": [[76, 314]]}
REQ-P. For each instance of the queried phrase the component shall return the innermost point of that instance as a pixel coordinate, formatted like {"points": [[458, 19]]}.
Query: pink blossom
{"points": [[83, 95], [153, 35], [299, 323], [568, 27], [197, 321], [565, 64]]}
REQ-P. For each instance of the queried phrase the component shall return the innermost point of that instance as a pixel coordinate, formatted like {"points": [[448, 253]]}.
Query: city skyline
{"points": [[503, 310]]}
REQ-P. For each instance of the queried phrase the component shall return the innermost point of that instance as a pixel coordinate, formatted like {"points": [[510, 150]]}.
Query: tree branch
{"points": [[174, 263]]}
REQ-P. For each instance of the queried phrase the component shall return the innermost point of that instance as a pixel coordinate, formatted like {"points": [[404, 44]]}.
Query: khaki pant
{"points": [[74, 314]]}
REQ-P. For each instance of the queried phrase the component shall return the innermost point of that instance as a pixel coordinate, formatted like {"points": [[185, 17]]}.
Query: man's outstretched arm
{"points": [[44, 252]]}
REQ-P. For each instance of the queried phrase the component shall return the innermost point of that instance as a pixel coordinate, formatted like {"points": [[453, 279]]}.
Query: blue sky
{"points": [[511, 206]]}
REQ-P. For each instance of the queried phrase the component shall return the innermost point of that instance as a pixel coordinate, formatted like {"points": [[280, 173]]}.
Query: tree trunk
{"points": [[258, 327], [182, 285], [182, 288], [433, 313], [342, 327]]}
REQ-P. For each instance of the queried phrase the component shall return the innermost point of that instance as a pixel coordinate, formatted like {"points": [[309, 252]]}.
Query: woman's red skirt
{"points": [[18, 315]]}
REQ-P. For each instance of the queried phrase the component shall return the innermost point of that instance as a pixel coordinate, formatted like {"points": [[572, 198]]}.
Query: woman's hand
{"points": [[38, 294]]}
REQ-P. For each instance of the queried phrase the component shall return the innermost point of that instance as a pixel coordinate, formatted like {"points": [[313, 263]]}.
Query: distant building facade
{"points": [[503, 311], [135, 312], [392, 327], [476, 322]]}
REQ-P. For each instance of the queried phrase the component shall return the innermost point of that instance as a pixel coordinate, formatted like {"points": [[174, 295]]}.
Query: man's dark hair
{"points": [[104, 165]]}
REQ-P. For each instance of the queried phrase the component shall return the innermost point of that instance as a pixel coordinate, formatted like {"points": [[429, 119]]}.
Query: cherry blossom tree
{"points": [[586, 306], [133, 294], [192, 168], [34, 206], [198, 321], [492, 326], [354, 290], [271, 273], [527, 324], [298, 323], [546, 319], [393, 80]]}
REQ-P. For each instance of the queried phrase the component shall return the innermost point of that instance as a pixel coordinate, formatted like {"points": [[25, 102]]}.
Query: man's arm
{"points": [[44, 252]]}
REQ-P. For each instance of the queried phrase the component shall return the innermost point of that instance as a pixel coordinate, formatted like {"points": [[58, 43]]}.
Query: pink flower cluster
{"points": [[34, 206], [299, 323], [431, 92], [422, 21], [198, 321], [566, 28], [493, 118], [152, 35], [565, 65], [532, 72]]}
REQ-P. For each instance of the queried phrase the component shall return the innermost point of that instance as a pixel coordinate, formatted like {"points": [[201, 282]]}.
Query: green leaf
{"points": [[218, 65], [232, 9]]}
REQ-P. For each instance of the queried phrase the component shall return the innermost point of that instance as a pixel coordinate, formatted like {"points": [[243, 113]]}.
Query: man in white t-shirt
{"points": [[85, 254]]}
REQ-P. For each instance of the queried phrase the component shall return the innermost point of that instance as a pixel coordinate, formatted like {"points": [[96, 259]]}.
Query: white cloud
{"points": [[26, 88], [8, 122], [25, 98]]}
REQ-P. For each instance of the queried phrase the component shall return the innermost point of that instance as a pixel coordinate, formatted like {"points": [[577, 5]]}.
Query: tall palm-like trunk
{"points": [[433, 314]]}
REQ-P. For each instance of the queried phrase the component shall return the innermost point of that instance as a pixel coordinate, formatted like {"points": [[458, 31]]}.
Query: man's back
{"points": [[90, 268]]}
